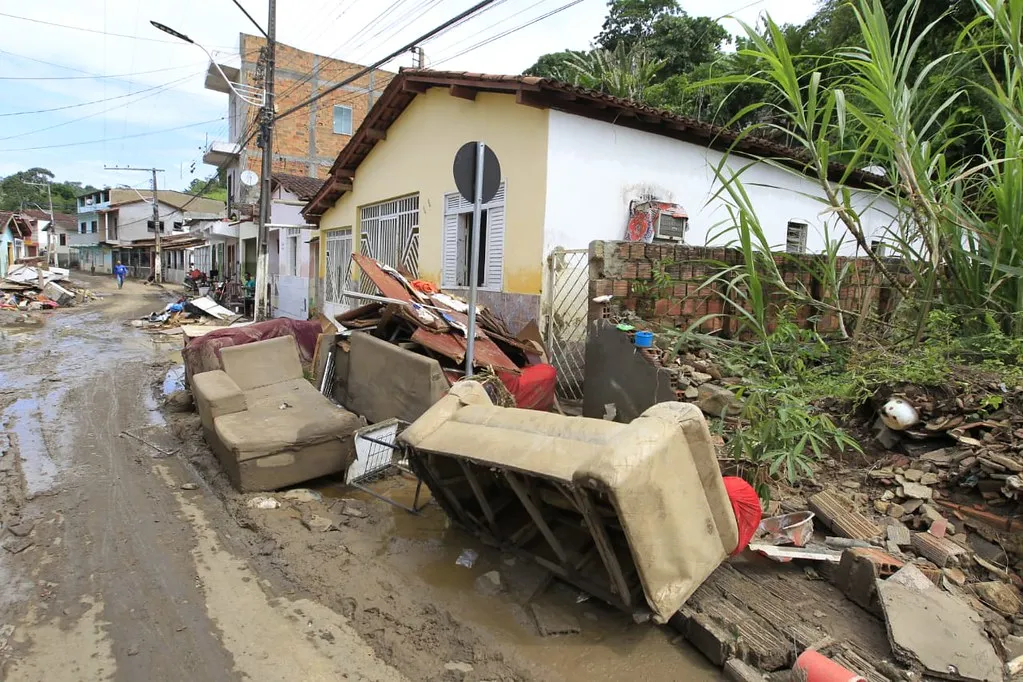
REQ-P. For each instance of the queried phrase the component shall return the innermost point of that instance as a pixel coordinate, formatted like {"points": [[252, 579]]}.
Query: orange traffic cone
{"points": [[818, 668]]}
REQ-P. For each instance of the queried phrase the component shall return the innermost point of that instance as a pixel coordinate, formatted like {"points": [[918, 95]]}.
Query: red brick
{"points": [[644, 271], [661, 306], [620, 288], [637, 251], [675, 308], [629, 271], [600, 287]]}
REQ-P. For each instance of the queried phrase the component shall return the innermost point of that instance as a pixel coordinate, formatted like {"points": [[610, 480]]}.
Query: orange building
{"points": [[305, 143]]}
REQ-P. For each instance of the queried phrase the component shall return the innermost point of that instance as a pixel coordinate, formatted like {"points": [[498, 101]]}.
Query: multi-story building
{"points": [[117, 224], [306, 142]]}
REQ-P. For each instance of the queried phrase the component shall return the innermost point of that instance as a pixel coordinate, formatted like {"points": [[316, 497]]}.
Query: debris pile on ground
{"points": [[421, 318], [28, 288], [185, 312]]}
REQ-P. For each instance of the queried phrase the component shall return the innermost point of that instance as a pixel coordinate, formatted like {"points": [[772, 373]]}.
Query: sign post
{"points": [[478, 177]]}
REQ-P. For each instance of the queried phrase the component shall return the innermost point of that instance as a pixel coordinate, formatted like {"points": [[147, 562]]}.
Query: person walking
{"points": [[120, 272]]}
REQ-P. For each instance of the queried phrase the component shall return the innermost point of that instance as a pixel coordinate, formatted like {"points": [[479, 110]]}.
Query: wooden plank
{"points": [[607, 552], [477, 490], [537, 517]]}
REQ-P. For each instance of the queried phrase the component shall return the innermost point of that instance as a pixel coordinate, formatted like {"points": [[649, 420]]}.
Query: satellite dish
{"points": [[249, 178]]}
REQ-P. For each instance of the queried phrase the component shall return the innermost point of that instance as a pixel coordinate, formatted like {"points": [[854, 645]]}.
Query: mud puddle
{"points": [[608, 646], [25, 421], [174, 380]]}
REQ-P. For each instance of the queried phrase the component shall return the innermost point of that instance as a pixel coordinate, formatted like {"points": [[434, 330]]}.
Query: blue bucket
{"points": [[644, 339]]}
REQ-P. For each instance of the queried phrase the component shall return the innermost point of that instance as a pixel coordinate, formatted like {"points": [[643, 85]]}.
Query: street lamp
{"points": [[249, 94]]}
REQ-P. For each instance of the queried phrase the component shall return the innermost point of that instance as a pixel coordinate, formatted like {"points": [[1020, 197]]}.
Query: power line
{"points": [[93, 30], [496, 23], [124, 137], [362, 72], [158, 88], [491, 39], [91, 76], [85, 104]]}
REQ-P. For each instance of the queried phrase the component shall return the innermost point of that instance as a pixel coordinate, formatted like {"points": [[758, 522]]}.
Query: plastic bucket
{"points": [[644, 339], [819, 668]]}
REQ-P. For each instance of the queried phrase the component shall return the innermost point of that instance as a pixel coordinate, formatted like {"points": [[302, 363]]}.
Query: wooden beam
{"points": [[415, 86], [537, 516], [607, 553], [375, 134], [477, 490], [463, 91], [529, 99]]}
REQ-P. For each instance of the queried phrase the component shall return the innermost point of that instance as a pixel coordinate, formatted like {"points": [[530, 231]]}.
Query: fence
{"points": [[564, 309]]}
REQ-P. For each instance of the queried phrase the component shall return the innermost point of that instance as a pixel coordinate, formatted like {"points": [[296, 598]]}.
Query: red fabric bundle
{"points": [[533, 388], [203, 354], [746, 507]]}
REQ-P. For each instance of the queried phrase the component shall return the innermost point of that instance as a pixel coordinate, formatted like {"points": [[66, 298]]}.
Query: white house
{"points": [[117, 224], [574, 165]]}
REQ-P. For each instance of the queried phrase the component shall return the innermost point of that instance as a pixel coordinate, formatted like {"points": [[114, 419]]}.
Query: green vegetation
{"points": [[16, 194]]}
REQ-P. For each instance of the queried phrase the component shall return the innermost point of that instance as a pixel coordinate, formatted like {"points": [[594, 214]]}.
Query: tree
{"points": [[623, 72], [17, 194], [632, 21], [212, 187], [554, 65]]}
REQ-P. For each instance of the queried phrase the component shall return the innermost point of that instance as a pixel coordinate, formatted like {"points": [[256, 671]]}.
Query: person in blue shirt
{"points": [[120, 271]]}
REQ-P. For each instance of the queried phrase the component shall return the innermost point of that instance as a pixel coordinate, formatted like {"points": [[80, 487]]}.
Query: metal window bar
{"points": [[565, 309], [378, 454]]}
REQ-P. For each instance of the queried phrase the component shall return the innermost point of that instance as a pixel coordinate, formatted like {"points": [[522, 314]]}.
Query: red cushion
{"points": [[746, 507]]}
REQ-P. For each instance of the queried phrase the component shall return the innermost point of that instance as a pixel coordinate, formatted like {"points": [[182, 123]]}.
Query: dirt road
{"points": [[129, 577], [132, 560]]}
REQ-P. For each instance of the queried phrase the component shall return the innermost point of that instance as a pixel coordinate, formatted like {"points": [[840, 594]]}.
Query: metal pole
{"points": [[53, 227], [470, 339], [266, 172], [158, 258]]}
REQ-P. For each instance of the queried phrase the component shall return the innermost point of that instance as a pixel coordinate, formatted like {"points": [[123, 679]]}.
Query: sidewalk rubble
{"points": [[21, 290]]}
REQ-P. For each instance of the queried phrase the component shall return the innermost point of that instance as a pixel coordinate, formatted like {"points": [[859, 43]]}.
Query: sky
{"points": [[129, 95]]}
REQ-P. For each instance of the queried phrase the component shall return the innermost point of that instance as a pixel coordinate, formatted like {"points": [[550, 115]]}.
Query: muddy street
{"points": [[127, 555]]}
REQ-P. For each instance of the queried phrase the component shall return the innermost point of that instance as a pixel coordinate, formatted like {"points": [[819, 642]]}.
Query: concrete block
{"points": [[858, 572], [834, 513], [707, 637]]}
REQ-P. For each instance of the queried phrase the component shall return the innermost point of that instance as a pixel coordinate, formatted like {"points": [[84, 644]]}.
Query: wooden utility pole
{"points": [[262, 307], [158, 256]]}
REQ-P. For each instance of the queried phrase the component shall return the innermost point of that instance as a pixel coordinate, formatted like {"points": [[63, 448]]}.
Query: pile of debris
{"points": [[27, 288], [421, 318], [182, 312]]}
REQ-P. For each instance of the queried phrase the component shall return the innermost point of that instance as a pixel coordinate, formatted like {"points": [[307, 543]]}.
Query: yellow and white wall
{"points": [[417, 157]]}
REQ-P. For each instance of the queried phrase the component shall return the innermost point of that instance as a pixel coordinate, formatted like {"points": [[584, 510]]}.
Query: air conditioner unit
{"points": [[88, 202], [659, 220]]}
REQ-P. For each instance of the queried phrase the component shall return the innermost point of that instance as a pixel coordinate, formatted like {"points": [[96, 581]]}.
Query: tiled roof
{"points": [[179, 200], [300, 185], [63, 220], [550, 94]]}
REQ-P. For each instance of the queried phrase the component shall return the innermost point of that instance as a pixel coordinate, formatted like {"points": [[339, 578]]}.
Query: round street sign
{"points": [[465, 172]]}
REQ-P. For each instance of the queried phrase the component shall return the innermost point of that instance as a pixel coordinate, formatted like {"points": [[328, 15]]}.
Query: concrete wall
{"points": [[133, 221], [417, 155], [596, 169]]}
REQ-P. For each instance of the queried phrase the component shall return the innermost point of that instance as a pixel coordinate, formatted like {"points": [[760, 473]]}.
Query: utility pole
{"points": [[266, 173], [51, 250], [158, 256]]}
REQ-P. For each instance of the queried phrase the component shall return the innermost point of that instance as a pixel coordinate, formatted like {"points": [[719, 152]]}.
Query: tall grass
{"points": [[959, 222]]}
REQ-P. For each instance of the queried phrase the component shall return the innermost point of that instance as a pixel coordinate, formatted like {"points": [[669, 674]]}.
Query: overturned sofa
{"points": [[635, 514], [269, 426]]}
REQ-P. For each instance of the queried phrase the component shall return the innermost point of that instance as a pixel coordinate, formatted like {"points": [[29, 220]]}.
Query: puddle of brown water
{"points": [[609, 646], [25, 420]]}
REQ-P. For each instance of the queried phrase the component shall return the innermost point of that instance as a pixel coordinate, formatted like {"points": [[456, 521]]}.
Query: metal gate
{"points": [[565, 309], [339, 260]]}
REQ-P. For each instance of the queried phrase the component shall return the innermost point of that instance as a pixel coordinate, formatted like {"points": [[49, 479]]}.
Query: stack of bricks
{"points": [[667, 285]]}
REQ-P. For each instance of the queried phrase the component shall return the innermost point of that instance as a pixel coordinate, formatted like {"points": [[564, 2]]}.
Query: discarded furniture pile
{"points": [[635, 514], [266, 423], [29, 288], [414, 318]]}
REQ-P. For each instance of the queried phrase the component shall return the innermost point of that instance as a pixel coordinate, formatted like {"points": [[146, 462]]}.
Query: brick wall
{"points": [[665, 284], [292, 134]]}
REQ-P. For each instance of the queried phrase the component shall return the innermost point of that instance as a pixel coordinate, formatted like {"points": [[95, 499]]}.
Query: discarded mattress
{"points": [[631, 513], [203, 354], [268, 426]]}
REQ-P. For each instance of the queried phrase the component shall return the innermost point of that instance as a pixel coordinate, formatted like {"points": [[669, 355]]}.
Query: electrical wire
{"points": [[476, 34], [159, 89], [362, 72], [491, 39], [91, 76], [125, 137], [97, 31]]}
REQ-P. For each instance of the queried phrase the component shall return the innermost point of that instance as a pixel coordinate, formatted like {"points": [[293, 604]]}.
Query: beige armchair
{"points": [[269, 426]]}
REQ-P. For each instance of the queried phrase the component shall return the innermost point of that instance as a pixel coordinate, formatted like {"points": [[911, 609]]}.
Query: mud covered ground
{"points": [[131, 559]]}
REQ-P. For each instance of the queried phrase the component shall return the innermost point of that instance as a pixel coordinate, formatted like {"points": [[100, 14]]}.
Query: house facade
{"points": [[15, 230], [55, 237], [574, 165], [117, 225]]}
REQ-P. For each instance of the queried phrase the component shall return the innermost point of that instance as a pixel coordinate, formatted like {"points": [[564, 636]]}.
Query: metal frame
{"points": [[565, 308], [382, 462]]}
